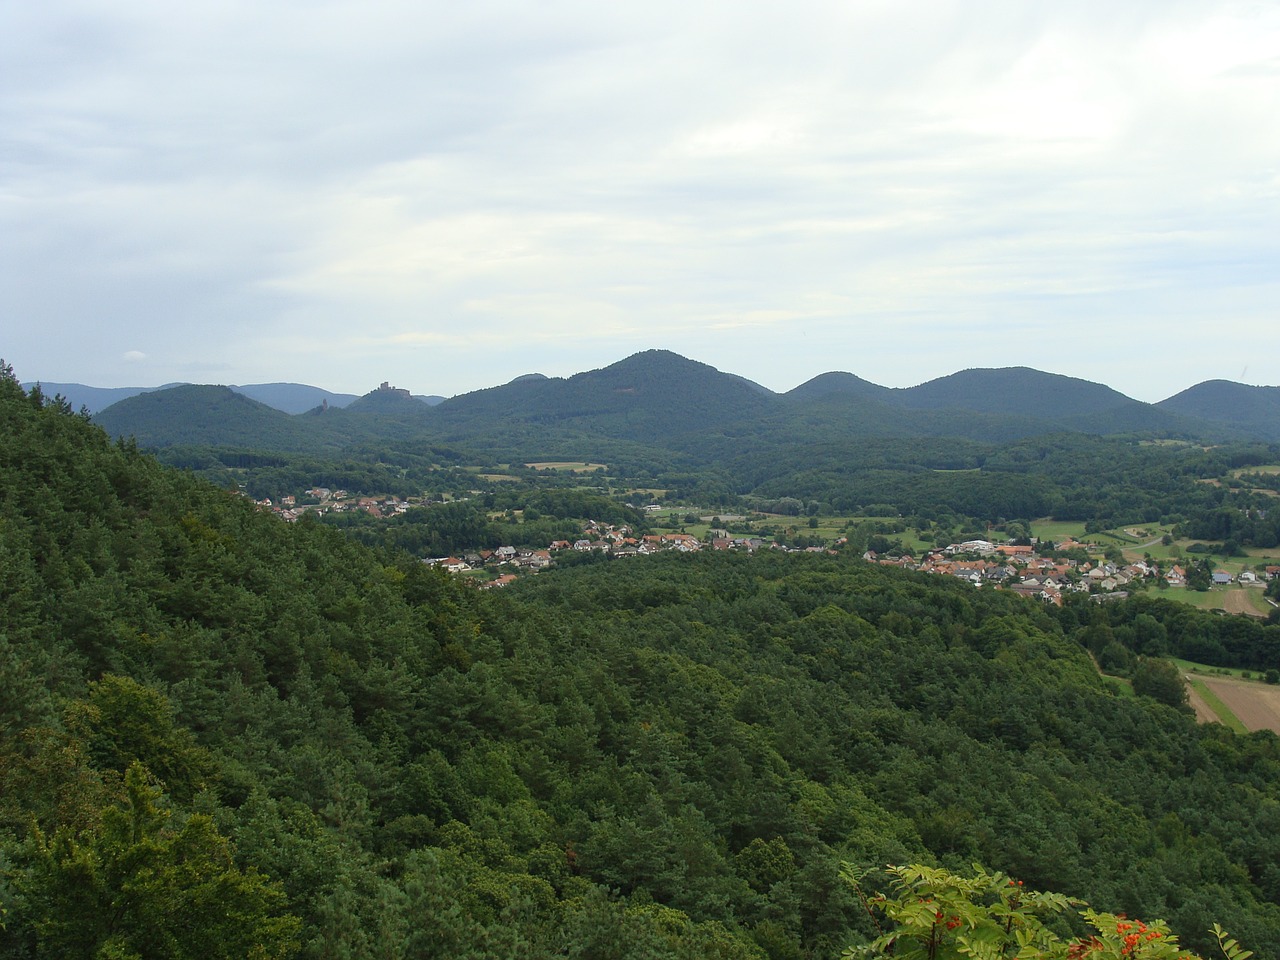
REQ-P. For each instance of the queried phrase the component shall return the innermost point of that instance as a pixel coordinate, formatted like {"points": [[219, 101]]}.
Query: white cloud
{"points": [[323, 193]]}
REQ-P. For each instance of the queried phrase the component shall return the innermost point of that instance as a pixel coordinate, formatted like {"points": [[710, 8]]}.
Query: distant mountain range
{"points": [[288, 397], [659, 399]]}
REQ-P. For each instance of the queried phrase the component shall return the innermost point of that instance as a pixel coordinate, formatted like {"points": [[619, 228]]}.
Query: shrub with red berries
{"points": [[937, 915]]}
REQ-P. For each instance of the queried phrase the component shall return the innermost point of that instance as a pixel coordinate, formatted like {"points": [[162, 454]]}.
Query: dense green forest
{"points": [[225, 736]]}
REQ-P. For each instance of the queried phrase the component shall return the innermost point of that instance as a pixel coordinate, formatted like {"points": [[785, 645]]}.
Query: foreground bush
{"points": [[937, 915]]}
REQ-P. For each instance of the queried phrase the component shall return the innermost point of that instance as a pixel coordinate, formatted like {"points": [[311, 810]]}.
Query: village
{"points": [[323, 500], [980, 562], [984, 563]]}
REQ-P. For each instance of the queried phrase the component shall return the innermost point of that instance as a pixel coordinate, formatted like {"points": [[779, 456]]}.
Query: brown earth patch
{"points": [[1237, 601], [1256, 704], [1204, 713]]}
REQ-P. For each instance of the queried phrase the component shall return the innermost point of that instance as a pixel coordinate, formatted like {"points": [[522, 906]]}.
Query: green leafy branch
{"points": [[937, 915]]}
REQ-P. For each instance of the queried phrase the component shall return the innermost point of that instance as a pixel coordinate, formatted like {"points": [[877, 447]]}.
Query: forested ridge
{"points": [[978, 448], [225, 736]]}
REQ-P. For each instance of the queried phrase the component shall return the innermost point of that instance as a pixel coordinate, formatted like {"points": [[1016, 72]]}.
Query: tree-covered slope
{"points": [[92, 398], [1008, 389], [226, 417], [1054, 401], [287, 397], [195, 414], [646, 397], [838, 383], [222, 733], [1253, 409]]}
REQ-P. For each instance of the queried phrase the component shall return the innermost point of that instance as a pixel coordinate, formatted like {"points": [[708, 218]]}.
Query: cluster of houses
{"points": [[324, 500], [1018, 568], [615, 541]]}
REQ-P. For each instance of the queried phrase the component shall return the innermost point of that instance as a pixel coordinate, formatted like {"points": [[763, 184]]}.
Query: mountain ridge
{"points": [[658, 397], [831, 381]]}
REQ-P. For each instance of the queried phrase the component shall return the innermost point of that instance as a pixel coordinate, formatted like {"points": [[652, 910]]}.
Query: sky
{"points": [[449, 195]]}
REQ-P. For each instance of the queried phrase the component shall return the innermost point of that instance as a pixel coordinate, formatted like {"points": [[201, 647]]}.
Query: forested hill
{"points": [[659, 400], [650, 396], [223, 736], [1255, 409], [200, 414], [288, 397]]}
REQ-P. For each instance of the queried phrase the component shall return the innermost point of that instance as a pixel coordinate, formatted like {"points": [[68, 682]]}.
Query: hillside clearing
{"points": [[1257, 705], [1241, 600], [568, 466]]}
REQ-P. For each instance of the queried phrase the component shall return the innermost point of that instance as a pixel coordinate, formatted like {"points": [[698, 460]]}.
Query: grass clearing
{"points": [[642, 493], [1247, 601], [1210, 599], [567, 466], [1266, 468], [1134, 539], [1122, 539], [1119, 684], [1174, 551], [1190, 666], [1055, 530]]}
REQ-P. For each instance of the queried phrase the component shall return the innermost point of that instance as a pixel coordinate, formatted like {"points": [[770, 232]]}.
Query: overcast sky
{"points": [[449, 195]]}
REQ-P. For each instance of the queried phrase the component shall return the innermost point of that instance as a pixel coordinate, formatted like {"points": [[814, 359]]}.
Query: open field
{"points": [[568, 466], [1208, 707], [1108, 537], [1257, 705], [1143, 534], [1215, 598], [1246, 600], [1055, 530], [1190, 666], [1212, 599]]}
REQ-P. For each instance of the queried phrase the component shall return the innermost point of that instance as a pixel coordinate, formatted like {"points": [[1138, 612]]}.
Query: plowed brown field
{"points": [[1256, 704], [1237, 601]]}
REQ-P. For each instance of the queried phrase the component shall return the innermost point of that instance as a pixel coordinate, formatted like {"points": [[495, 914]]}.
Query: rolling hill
{"points": [[288, 397], [657, 400], [646, 397], [206, 415], [92, 399], [841, 384], [1255, 410]]}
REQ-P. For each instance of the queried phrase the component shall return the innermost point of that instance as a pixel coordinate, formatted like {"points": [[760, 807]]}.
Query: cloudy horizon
{"points": [[447, 197]]}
